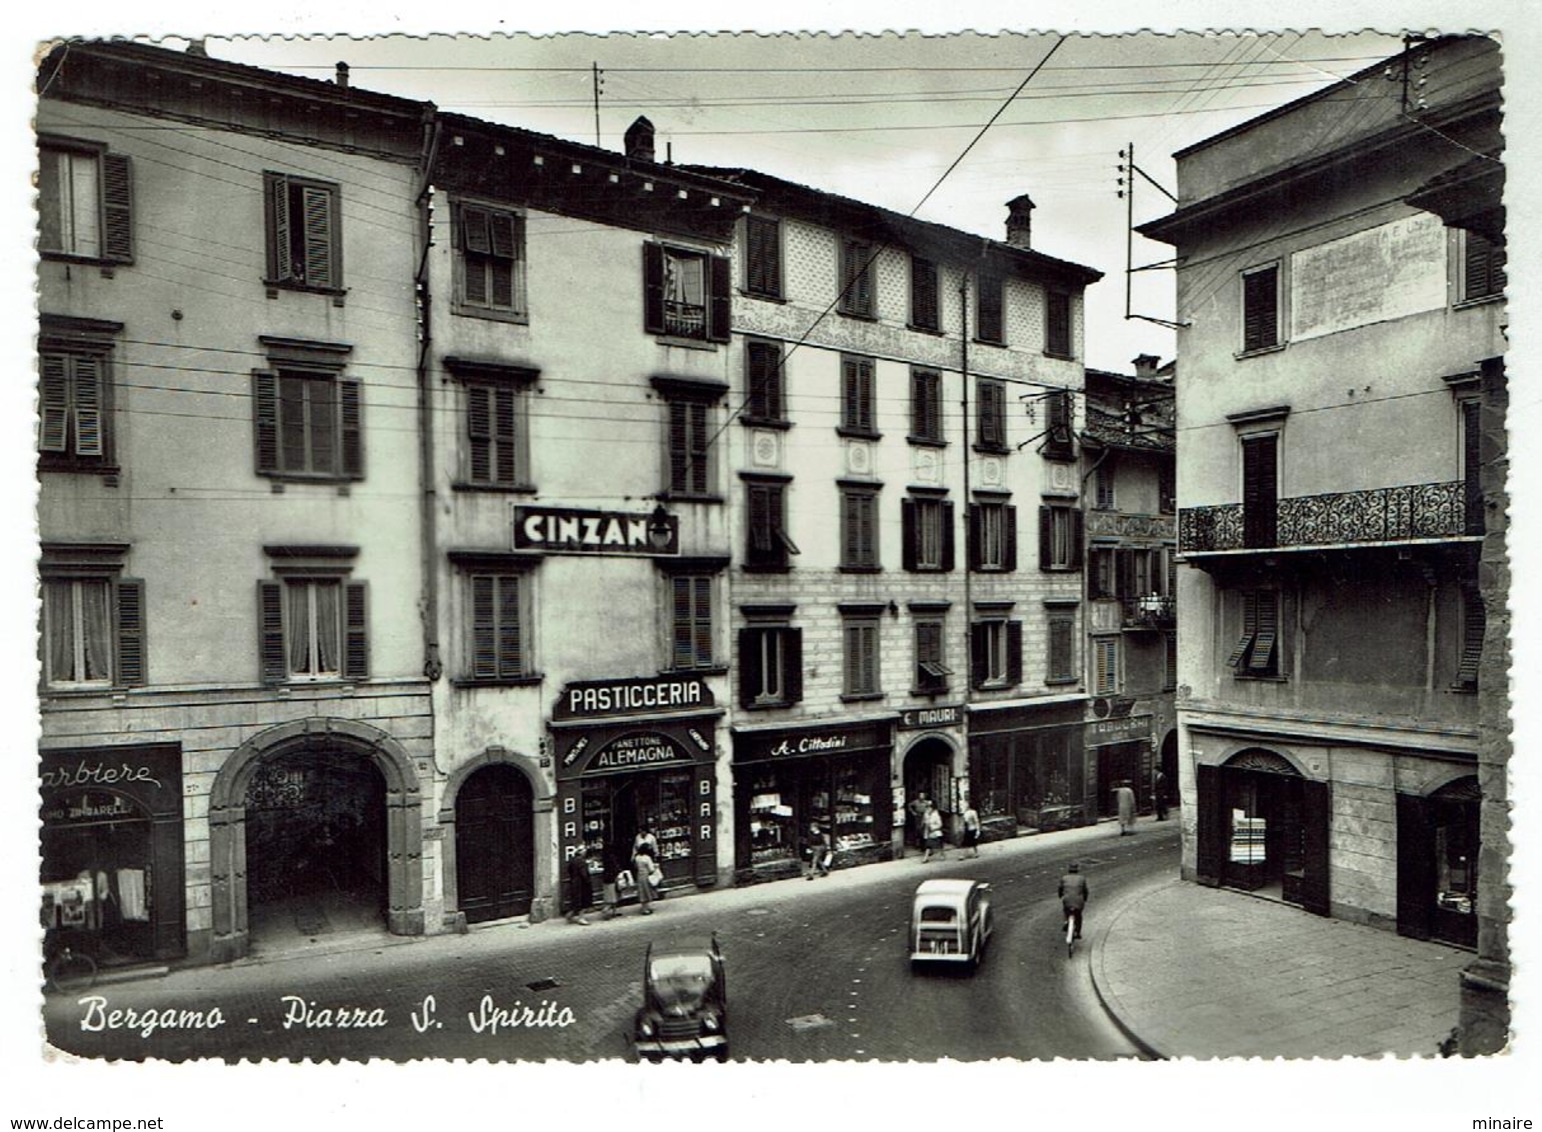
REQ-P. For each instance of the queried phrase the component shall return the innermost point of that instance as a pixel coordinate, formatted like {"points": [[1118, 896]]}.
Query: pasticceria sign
{"points": [[568, 530]]}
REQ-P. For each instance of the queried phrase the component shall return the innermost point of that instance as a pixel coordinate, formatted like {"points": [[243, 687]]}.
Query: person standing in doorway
{"points": [[917, 812], [970, 840], [580, 892], [1159, 795], [645, 856], [1126, 799], [931, 832]]}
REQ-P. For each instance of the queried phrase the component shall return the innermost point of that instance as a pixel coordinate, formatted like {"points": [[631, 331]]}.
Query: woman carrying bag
{"points": [[645, 867]]}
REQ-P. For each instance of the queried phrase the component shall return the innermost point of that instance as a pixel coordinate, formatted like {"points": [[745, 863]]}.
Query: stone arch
{"points": [[1458, 785], [1263, 759], [227, 824], [542, 809]]}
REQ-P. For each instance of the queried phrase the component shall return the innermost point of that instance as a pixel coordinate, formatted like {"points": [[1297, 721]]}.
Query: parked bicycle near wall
{"points": [[68, 965]]}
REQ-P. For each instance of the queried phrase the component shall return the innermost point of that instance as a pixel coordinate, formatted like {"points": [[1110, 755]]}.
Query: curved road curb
{"points": [[1100, 983]]}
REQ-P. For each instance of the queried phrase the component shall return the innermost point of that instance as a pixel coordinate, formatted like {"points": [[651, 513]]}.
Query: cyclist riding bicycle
{"points": [[1073, 896]]}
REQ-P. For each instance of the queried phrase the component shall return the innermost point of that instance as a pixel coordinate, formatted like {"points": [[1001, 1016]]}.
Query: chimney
{"points": [[1146, 366], [342, 74], [1020, 222], [639, 140], [198, 47]]}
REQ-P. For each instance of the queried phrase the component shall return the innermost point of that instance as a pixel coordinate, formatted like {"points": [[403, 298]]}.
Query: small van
{"points": [[950, 923]]}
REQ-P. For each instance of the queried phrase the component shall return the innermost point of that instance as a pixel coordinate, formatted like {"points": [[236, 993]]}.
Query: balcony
{"points": [[1377, 516], [1150, 612]]}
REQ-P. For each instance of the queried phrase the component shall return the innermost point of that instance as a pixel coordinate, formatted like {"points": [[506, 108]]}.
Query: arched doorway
{"points": [[315, 844], [495, 844], [385, 860], [1168, 763], [1437, 863], [1263, 828], [928, 769]]}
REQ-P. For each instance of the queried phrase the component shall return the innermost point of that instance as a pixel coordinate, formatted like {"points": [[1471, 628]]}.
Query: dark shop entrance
{"points": [[1264, 828], [315, 846]]}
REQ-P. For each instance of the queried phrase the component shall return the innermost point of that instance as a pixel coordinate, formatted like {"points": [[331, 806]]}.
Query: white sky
{"points": [[882, 117]]}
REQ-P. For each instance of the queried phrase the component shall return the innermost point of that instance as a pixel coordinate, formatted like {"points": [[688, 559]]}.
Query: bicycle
{"points": [[70, 970]]}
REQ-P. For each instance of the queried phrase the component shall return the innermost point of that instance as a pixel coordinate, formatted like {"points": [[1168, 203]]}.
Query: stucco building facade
{"points": [[1342, 698]]}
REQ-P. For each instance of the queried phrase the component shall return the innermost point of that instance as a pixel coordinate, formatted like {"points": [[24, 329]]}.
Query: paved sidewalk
{"points": [[1190, 971]]}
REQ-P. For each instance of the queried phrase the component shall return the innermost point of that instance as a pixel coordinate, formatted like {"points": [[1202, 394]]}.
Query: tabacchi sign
{"points": [[567, 530]]}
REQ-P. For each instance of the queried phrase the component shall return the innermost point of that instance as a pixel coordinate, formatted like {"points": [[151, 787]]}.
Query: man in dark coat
{"points": [[580, 892], [1073, 895]]}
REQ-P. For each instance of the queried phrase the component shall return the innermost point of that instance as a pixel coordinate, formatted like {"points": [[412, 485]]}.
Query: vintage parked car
{"points": [[950, 923], [684, 1012]]}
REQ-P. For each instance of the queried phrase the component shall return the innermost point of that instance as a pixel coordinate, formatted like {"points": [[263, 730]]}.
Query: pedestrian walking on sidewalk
{"points": [[971, 830], [816, 853], [610, 896], [931, 832], [580, 891], [1126, 799], [1073, 896], [645, 868]]}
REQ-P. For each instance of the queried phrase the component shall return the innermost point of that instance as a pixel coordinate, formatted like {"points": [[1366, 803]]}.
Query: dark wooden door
{"points": [[494, 845]]}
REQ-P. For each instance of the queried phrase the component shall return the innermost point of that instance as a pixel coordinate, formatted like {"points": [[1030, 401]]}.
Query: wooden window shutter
{"points": [[355, 631], [1061, 655], [974, 539], [474, 233], [702, 626], [679, 446], [1077, 525], [1474, 623], [909, 533], [1316, 811], [274, 661], [989, 306], [317, 206], [1482, 266], [763, 371], [751, 666], [1009, 537], [1416, 866], [1262, 659], [851, 393], [276, 201], [479, 431], [350, 393], [763, 268], [1260, 489], [88, 404], [792, 659], [1014, 652], [1472, 467], [117, 208], [265, 419], [53, 403], [653, 288], [1046, 538], [945, 508], [923, 294], [1212, 825], [979, 655], [484, 628], [1249, 627], [505, 434], [1260, 309], [1057, 324], [511, 650], [719, 298], [131, 655], [503, 232]]}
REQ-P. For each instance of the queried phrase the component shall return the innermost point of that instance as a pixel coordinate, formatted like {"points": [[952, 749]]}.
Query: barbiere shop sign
{"points": [[567, 530]]}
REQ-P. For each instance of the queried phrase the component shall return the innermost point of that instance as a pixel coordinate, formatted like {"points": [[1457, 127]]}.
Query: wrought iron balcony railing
{"points": [[1383, 514], [1149, 612]]}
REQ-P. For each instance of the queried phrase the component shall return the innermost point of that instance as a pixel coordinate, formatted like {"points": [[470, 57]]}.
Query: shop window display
{"points": [[615, 808], [773, 822]]}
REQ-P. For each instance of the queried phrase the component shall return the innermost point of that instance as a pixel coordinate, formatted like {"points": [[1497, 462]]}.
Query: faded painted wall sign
{"points": [[1382, 273]]}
